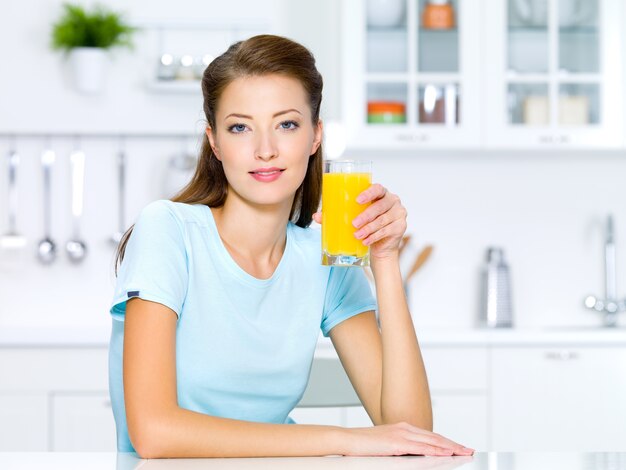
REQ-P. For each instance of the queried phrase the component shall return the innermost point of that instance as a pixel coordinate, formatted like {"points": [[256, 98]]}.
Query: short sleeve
{"points": [[347, 294], [155, 263]]}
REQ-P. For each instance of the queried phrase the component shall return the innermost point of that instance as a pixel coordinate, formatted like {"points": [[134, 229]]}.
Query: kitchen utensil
{"points": [[571, 12], [76, 248], [536, 110], [438, 14], [12, 239], [386, 112], [403, 243], [385, 13], [179, 171], [422, 257], [47, 250], [121, 191], [573, 110], [496, 294]]}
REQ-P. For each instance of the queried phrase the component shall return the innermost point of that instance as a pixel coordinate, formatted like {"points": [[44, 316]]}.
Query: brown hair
{"points": [[259, 55]]}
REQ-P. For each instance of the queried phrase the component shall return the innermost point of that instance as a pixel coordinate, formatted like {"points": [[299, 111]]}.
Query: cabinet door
{"points": [[553, 74], [559, 399], [82, 422], [462, 418], [23, 422], [411, 75], [331, 416]]}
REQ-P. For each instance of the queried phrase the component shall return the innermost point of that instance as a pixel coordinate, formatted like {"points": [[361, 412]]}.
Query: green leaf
{"points": [[98, 28]]}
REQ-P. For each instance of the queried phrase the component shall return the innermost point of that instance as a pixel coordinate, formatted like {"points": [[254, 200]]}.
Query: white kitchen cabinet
{"points": [[55, 399], [558, 398], [518, 73], [552, 73], [458, 381], [462, 418], [409, 86], [23, 422], [82, 422]]}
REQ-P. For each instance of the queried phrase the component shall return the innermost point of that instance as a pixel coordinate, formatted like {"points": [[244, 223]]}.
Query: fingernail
{"points": [[358, 234], [360, 199], [356, 222]]}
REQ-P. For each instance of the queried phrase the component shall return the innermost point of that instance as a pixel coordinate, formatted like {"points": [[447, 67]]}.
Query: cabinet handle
{"points": [[562, 355], [546, 139], [564, 139], [106, 403], [413, 137]]}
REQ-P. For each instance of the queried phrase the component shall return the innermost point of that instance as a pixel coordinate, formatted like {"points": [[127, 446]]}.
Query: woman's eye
{"points": [[289, 125], [237, 128]]}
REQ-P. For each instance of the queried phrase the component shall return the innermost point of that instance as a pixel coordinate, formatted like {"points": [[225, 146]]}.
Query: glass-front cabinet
{"points": [[554, 73], [411, 73]]}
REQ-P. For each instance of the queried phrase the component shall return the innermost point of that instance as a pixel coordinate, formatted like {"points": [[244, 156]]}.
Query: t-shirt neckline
{"points": [[237, 270]]}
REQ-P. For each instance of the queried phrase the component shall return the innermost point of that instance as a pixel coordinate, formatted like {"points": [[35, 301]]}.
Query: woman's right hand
{"points": [[400, 439]]}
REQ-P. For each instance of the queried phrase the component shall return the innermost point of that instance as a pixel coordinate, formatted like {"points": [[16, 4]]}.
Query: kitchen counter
{"points": [[480, 461], [557, 335]]}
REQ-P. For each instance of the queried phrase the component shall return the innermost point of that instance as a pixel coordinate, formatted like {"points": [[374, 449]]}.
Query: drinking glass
{"points": [[343, 181]]}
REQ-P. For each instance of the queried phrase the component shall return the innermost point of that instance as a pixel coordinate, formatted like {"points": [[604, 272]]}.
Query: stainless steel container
{"points": [[496, 308]]}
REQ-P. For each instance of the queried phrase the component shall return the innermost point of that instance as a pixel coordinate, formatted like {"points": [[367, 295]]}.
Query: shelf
{"points": [[543, 78], [562, 30]]}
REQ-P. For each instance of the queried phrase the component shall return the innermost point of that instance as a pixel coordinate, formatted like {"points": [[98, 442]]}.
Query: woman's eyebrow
{"points": [[245, 116]]}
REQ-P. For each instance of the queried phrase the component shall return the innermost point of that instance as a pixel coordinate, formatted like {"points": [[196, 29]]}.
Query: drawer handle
{"points": [[562, 355], [107, 403]]}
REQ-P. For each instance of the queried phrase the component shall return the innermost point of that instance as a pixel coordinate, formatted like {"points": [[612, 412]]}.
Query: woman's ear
{"points": [[317, 136], [212, 142]]}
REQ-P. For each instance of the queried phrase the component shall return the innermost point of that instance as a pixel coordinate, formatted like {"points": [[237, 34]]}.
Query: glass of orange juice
{"points": [[343, 181]]}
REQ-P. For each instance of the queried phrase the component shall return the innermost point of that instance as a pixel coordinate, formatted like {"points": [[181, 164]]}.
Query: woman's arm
{"points": [[404, 393], [159, 428]]}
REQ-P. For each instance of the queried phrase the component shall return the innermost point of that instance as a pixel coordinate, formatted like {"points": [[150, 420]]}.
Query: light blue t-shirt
{"points": [[244, 346]]}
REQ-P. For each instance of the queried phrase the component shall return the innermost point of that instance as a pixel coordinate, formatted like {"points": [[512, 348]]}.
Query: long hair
{"points": [[257, 56]]}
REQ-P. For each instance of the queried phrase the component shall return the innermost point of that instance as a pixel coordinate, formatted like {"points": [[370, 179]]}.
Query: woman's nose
{"points": [[266, 147]]}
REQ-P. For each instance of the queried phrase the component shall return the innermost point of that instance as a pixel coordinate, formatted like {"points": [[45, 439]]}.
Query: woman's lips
{"points": [[266, 176]]}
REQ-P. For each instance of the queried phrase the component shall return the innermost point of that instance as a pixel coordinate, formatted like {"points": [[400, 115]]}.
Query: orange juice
{"points": [[339, 209]]}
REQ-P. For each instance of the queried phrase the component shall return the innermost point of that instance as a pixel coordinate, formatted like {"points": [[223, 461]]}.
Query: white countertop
{"points": [[565, 335], [480, 461]]}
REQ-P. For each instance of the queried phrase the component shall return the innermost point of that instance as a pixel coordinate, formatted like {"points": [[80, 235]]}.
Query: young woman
{"points": [[220, 294]]}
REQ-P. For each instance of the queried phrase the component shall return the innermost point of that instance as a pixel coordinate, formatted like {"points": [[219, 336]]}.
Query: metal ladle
{"points": [[12, 239], [47, 250], [121, 187], [76, 248]]}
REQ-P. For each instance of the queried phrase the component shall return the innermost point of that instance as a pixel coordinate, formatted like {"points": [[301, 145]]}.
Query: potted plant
{"points": [[86, 36]]}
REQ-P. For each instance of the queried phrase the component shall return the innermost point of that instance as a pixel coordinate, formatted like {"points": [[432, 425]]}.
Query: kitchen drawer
{"points": [[23, 422], [462, 418], [44, 369], [460, 369], [82, 422], [558, 399]]}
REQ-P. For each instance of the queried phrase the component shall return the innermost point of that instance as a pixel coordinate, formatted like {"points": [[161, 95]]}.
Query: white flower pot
{"points": [[88, 66]]}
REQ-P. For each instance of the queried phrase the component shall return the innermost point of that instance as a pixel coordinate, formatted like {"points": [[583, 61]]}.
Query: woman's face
{"points": [[264, 123]]}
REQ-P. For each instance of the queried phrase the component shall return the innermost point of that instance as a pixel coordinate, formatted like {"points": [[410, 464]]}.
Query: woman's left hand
{"points": [[382, 224]]}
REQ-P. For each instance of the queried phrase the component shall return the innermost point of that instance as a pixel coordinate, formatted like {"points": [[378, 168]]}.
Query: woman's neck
{"points": [[255, 236]]}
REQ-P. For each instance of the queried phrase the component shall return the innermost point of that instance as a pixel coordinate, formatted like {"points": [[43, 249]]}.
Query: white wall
{"points": [[546, 210]]}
